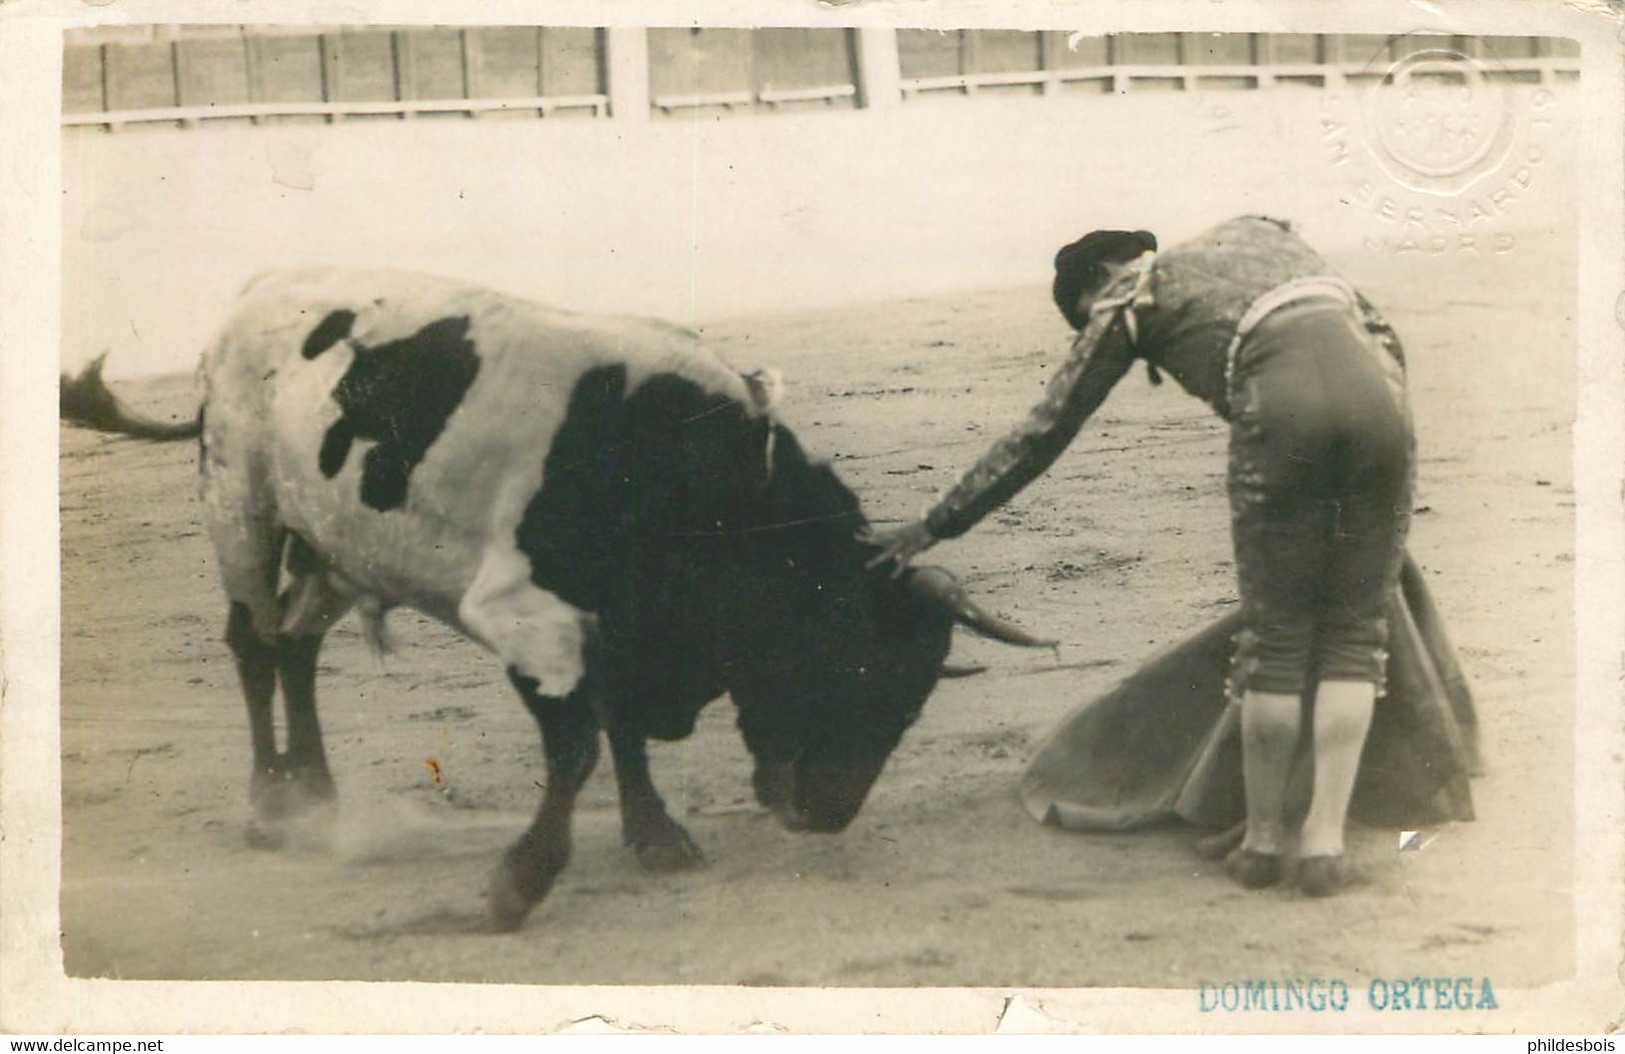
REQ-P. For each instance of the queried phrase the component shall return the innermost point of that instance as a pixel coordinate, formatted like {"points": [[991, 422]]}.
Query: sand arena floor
{"points": [[1122, 548]]}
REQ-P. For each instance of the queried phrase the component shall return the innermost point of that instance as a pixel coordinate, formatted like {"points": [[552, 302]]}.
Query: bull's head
{"points": [[828, 660], [823, 724]]}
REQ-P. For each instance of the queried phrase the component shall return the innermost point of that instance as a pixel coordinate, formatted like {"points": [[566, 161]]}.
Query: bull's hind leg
{"points": [[273, 640], [304, 765], [570, 741], [248, 544], [256, 668], [310, 605], [250, 551], [283, 785]]}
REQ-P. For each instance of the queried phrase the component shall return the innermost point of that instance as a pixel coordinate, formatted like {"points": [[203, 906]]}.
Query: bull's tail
{"points": [[86, 400]]}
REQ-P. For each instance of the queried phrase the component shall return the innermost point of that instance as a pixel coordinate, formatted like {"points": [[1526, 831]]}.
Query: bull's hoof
{"points": [[280, 792], [666, 857], [1321, 876], [271, 795], [314, 786], [1253, 870], [510, 902], [521, 881], [773, 783]]}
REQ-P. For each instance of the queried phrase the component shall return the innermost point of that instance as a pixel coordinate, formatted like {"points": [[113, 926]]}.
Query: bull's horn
{"points": [[938, 585]]}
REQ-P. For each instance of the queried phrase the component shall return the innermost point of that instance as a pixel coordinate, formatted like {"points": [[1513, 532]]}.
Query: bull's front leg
{"points": [[570, 742], [661, 843]]}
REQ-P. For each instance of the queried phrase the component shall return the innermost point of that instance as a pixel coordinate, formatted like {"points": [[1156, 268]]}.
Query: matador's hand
{"points": [[899, 546]]}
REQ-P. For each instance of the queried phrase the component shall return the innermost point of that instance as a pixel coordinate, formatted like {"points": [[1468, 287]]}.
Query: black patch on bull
{"points": [[658, 513], [662, 475], [328, 332], [571, 528], [399, 394], [638, 520]]}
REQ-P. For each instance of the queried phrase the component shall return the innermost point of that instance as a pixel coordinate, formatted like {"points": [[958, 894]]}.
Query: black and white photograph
{"points": [[837, 518]]}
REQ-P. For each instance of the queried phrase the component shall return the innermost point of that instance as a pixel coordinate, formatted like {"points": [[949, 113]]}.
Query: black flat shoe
{"points": [[1320, 876], [1253, 870]]}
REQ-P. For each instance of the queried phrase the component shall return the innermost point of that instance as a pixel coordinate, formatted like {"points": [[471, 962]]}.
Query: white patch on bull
{"points": [[237, 487], [302, 401], [530, 629], [450, 551]]}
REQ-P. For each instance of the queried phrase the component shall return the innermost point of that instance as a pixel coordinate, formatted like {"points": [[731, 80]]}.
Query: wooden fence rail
{"points": [[544, 105], [261, 75], [1120, 78]]}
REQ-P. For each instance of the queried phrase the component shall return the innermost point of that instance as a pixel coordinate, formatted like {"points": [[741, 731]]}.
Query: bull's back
{"points": [[400, 423]]}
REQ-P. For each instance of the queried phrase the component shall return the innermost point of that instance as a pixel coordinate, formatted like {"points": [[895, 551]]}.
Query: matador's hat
{"points": [[1077, 266]]}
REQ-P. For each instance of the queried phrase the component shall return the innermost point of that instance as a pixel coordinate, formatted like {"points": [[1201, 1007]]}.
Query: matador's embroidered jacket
{"points": [[1180, 310]]}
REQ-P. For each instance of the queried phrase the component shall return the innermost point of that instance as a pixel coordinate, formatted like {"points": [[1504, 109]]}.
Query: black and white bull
{"points": [[599, 501]]}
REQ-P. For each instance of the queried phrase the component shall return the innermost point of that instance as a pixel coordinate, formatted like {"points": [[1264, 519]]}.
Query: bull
{"points": [[609, 508]]}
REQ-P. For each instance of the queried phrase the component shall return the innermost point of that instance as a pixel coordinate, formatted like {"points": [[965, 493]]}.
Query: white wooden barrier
{"points": [[1116, 78]]}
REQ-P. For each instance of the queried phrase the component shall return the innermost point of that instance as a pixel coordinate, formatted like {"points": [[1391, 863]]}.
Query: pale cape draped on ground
{"points": [[1165, 744]]}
